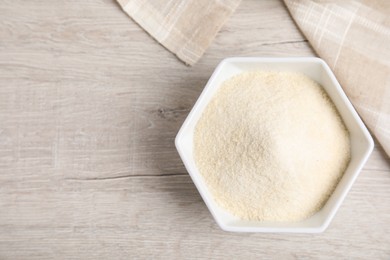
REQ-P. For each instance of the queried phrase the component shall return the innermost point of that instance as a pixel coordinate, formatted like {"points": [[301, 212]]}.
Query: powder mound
{"points": [[271, 146]]}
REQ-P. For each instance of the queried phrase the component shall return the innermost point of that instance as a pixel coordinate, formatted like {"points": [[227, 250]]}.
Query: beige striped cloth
{"points": [[185, 27], [352, 36]]}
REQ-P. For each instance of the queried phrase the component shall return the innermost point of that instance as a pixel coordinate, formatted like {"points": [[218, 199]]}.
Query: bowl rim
{"points": [[317, 229]]}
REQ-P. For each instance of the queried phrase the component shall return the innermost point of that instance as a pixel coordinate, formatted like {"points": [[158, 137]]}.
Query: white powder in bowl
{"points": [[271, 146]]}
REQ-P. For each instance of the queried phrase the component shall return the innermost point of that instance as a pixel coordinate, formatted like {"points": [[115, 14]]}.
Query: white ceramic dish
{"points": [[361, 141]]}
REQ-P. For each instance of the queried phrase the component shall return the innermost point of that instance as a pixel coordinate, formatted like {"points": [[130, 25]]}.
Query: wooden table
{"points": [[89, 108]]}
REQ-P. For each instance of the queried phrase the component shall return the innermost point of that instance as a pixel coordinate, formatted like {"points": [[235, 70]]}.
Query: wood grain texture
{"points": [[89, 108]]}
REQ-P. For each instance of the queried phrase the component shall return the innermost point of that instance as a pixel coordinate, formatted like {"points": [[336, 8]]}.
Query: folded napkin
{"points": [[352, 36], [185, 27]]}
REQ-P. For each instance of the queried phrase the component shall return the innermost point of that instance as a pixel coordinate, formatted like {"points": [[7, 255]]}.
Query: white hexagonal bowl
{"points": [[361, 141]]}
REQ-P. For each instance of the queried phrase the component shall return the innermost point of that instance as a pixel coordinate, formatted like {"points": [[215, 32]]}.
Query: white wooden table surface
{"points": [[89, 108]]}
